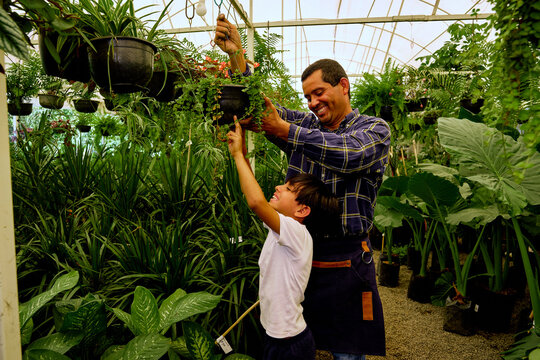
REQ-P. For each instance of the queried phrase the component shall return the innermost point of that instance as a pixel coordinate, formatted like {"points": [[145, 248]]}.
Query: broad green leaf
{"points": [[114, 352], [239, 357], [26, 332], [42, 354], [392, 202], [126, 318], [12, 39], [168, 306], [395, 185], [146, 347], [144, 312], [481, 216], [88, 317], [386, 218], [30, 307], [522, 347], [58, 342], [192, 304], [534, 355], [199, 342], [433, 189], [180, 347], [445, 172], [493, 160]]}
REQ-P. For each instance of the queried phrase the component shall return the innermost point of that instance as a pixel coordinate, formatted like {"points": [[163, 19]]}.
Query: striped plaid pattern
{"points": [[350, 160]]}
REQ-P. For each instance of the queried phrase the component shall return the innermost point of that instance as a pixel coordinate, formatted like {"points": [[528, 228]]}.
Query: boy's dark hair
{"points": [[324, 218], [331, 70]]}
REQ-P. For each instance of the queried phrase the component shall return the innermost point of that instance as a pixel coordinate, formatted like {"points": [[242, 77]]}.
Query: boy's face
{"points": [[284, 200]]}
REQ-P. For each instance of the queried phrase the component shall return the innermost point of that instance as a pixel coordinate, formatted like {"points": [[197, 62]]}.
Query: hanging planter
{"points": [[162, 86], [73, 57], [386, 113], [50, 101], [416, 105], [19, 108], [86, 105], [121, 64], [232, 101], [473, 107], [83, 128]]}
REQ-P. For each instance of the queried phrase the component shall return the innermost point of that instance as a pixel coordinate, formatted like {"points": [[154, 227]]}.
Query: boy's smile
{"points": [[284, 200]]}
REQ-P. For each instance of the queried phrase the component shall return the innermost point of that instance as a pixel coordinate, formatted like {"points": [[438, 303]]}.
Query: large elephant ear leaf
{"points": [[434, 189], [494, 160]]}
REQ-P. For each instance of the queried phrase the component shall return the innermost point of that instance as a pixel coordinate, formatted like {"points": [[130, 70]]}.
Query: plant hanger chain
{"points": [[190, 19], [218, 5]]}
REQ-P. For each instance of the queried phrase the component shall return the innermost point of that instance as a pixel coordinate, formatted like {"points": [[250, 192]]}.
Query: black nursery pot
{"points": [[85, 105], [49, 101], [83, 128], [20, 109], [73, 57], [123, 64], [472, 107], [162, 86], [233, 101], [420, 289], [386, 113], [389, 274]]}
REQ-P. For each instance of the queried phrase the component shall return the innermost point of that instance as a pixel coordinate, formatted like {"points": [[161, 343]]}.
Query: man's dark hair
{"points": [[331, 70], [324, 218]]}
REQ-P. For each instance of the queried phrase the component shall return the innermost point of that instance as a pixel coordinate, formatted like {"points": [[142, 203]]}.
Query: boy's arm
{"points": [[251, 189]]}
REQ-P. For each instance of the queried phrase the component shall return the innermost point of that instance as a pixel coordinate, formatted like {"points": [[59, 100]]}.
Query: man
{"points": [[349, 153]]}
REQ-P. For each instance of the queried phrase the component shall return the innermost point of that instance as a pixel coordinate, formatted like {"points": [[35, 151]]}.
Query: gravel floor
{"points": [[414, 331]]}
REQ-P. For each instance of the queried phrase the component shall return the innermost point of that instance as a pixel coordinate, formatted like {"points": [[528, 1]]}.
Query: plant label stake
{"points": [[221, 341]]}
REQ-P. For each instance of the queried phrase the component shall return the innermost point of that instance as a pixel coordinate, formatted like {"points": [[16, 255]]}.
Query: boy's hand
{"points": [[236, 140]]}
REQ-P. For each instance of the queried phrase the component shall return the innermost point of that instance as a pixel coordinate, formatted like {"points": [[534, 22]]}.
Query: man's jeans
{"points": [[340, 356]]}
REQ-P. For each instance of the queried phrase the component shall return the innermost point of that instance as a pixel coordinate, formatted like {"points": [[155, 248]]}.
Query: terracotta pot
{"points": [[123, 64], [49, 101]]}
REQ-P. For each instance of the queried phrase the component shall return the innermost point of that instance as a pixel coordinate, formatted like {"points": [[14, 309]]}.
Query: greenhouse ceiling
{"points": [[361, 34]]}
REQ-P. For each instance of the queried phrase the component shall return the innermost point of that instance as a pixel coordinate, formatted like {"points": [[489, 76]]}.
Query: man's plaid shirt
{"points": [[350, 160]]}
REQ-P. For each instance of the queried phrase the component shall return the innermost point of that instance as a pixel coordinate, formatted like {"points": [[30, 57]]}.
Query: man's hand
{"points": [[272, 123], [227, 36]]}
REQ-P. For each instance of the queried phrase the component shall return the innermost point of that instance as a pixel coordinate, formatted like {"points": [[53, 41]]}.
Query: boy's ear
{"points": [[302, 211]]}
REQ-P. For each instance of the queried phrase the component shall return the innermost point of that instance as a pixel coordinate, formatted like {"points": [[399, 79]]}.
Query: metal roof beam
{"points": [[315, 22], [240, 10]]}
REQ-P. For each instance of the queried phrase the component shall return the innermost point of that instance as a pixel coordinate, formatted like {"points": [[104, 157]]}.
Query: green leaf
{"points": [[41, 354], [199, 342], [481, 216], [167, 307], [180, 347], [445, 172], [490, 158], [114, 352], [192, 304], [26, 332], [239, 357], [63, 283], [144, 312], [392, 202], [126, 318], [88, 316], [386, 218], [433, 189], [58, 342], [12, 39], [525, 345], [146, 347]]}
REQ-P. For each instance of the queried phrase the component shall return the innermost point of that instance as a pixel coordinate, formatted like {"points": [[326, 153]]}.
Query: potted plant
{"points": [[120, 49], [82, 97], [386, 219], [416, 84], [21, 85], [53, 92], [85, 121], [107, 125]]}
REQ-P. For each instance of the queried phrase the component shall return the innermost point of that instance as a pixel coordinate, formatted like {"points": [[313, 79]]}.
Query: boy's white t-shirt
{"points": [[285, 265]]}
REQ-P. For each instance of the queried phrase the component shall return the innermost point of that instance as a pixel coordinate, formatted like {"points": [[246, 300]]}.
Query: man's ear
{"points": [[345, 85], [303, 211]]}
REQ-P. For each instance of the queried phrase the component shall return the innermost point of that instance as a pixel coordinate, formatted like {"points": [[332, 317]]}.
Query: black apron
{"points": [[342, 306]]}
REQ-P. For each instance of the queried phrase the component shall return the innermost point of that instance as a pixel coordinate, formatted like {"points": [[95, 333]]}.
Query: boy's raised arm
{"points": [[251, 189]]}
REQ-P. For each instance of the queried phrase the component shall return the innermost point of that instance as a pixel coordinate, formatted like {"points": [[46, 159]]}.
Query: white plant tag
{"points": [[476, 307], [224, 344]]}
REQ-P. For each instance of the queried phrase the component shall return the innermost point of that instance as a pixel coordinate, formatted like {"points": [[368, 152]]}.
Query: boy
{"points": [[302, 203]]}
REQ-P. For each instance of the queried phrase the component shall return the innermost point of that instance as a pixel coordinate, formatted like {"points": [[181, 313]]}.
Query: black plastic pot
{"points": [[420, 289], [494, 311], [416, 105], [459, 318], [472, 107], [83, 128], [386, 113], [49, 101], [162, 86], [19, 109], [73, 57], [85, 105], [122, 64], [414, 259], [232, 101], [389, 274]]}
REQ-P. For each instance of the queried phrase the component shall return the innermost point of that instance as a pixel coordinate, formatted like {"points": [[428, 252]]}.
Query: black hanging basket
{"points": [[162, 86], [73, 57], [83, 128], [473, 107], [49, 101], [232, 101], [386, 113], [85, 105], [19, 109], [416, 105], [122, 64]]}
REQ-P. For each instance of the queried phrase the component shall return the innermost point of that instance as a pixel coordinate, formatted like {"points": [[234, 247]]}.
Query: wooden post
{"points": [[10, 341]]}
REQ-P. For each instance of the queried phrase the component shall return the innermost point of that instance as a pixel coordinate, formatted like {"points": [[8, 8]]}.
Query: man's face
{"points": [[329, 103], [284, 200]]}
